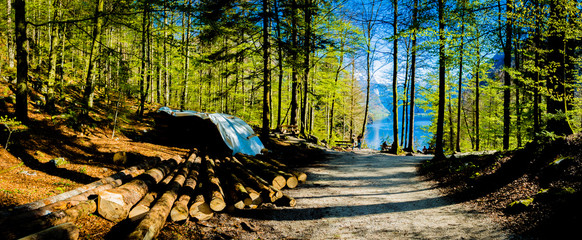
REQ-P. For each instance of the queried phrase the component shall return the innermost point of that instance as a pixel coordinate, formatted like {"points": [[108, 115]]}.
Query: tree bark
{"points": [[143, 206], [460, 88], [507, 77], [557, 100], [155, 219], [412, 76], [114, 205], [301, 177], [286, 201], [280, 61], [186, 51], [9, 34], [55, 218], [50, 102], [395, 145], [21, 60], [266, 72], [65, 231], [276, 179], [215, 192], [337, 73], [307, 49], [290, 179], [442, 68], [88, 94], [180, 210], [294, 63], [267, 191]]}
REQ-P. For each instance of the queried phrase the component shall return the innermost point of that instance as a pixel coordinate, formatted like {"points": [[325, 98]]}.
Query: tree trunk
{"points": [[253, 181], [277, 180], [215, 192], [180, 210], [9, 34], [266, 71], [16, 229], [301, 177], [280, 63], [65, 231], [442, 68], [337, 73], [155, 219], [460, 90], [307, 49], [291, 180], [557, 101], [200, 208], [294, 63], [114, 205], [395, 145], [186, 51], [21, 60], [143, 206], [166, 72], [507, 77], [88, 94], [286, 201], [50, 102], [477, 95], [412, 77]]}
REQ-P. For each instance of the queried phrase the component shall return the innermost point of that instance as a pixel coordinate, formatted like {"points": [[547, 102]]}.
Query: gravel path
{"points": [[370, 195]]}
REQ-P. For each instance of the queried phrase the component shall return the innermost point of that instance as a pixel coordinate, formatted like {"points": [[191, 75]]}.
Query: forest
{"points": [[491, 74]]}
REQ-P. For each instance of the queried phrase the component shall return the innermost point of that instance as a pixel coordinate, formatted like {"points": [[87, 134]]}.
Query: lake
{"points": [[381, 130]]}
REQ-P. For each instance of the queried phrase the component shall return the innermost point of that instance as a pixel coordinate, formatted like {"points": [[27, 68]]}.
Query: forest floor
{"points": [[349, 195]]}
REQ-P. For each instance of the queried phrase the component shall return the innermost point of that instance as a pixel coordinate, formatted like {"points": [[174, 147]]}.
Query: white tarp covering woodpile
{"points": [[236, 133]]}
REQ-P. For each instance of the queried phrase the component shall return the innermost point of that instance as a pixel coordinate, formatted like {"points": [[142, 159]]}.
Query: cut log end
{"points": [[279, 182], [201, 211], [180, 210], [292, 182], [301, 177], [111, 206], [217, 204]]}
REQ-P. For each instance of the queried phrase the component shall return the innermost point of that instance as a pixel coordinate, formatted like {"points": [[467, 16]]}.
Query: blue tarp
{"points": [[235, 132]]}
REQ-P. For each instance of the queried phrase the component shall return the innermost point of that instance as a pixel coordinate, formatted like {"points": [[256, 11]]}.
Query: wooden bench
{"points": [[344, 143]]}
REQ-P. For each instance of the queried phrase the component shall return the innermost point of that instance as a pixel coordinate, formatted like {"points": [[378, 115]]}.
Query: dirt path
{"points": [[370, 195]]}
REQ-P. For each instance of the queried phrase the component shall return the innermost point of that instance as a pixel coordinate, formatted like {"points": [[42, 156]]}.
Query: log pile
{"points": [[156, 191]]}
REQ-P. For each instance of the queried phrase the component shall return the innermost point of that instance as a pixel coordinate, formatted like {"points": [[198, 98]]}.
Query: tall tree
{"points": [[559, 93], [307, 48], [88, 94], [54, 43], [21, 60], [462, 7], [395, 146], [186, 52], [442, 68], [9, 34], [506, 76], [413, 76], [294, 63], [266, 70], [370, 15], [279, 59]]}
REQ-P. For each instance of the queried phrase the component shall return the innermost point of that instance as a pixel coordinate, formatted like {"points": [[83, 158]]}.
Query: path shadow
{"points": [[343, 211], [374, 176]]}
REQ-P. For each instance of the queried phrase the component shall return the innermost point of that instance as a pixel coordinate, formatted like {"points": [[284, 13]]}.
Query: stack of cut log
{"points": [[158, 190]]}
